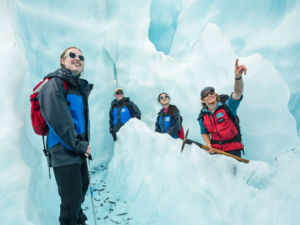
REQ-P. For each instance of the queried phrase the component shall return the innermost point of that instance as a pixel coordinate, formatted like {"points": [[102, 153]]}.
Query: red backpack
{"points": [[38, 122], [181, 133]]}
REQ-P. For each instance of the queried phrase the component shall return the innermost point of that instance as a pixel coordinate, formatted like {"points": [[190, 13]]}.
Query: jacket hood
{"points": [[65, 74], [71, 78]]}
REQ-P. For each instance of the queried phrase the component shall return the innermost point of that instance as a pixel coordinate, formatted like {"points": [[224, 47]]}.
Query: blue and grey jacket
{"points": [[67, 115], [169, 122], [120, 112]]}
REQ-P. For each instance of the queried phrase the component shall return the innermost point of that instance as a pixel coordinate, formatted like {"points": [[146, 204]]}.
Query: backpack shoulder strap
{"points": [[58, 73], [229, 113], [223, 98], [201, 114], [234, 119], [65, 83], [236, 122]]}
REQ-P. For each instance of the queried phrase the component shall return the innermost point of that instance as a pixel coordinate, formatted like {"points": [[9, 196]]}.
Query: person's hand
{"points": [[239, 69], [114, 135], [88, 151], [210, 150]]}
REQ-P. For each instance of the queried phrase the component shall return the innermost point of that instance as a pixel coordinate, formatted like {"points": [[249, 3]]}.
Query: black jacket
{"points": [[120, 112], [67, 115], [174, 123]]}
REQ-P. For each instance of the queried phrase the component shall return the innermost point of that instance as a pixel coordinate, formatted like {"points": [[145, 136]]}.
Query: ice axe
{"points": [[189, 141], [184, 140]]}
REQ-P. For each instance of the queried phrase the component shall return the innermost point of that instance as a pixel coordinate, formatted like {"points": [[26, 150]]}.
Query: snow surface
{"points": [[147, 47]]}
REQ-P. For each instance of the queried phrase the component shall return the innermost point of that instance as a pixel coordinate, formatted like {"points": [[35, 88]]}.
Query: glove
{"points": [[113, 133]]}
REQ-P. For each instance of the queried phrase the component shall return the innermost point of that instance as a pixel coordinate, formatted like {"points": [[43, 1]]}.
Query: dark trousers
{"points": [[235, 152], [72, 182]]}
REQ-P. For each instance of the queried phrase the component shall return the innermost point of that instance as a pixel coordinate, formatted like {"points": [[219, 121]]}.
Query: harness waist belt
{"points": [[235, 139]]}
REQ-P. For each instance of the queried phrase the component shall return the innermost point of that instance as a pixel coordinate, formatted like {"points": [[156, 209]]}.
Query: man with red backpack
{"points": [[218, 120], [63, 102], [169, 119]]}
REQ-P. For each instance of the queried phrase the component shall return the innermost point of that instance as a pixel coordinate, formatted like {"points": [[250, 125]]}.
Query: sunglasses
{"points": [[209, 92], [73, 56], [163, 97], [119, 92]]}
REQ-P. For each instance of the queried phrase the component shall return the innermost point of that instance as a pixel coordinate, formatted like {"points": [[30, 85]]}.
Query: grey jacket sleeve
{"points": [[157, 129], [136, 110], [56, 112], [175, 128]]}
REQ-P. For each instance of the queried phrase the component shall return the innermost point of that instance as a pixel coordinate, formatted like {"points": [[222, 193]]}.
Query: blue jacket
{"points": [[169, 122], [67, 116], [120, 112]]}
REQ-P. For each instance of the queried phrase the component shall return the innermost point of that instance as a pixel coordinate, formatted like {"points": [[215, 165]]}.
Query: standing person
{"points": [[217, 120], [64, 105], [121, 110], [168, 119]]}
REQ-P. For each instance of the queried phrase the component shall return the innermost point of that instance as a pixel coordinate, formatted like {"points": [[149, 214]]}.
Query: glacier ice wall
{"points": [[163, 186], [15, 172], [122, 42]]}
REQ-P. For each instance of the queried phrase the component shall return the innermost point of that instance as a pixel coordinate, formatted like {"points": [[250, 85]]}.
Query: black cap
{"points": [[206, 89]]}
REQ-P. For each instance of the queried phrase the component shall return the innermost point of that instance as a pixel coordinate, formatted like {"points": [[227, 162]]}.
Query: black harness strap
{"points": [[46, 152], [235, 139]]}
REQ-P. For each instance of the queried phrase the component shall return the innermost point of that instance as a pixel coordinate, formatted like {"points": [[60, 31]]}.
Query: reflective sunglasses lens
{"points": [[81, 58], [72, 55], [210, 92], [162, 97], [119, 92]]}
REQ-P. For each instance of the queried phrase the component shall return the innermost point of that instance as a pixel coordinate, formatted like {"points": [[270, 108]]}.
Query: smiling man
{"points": [[122, 109], [64, 106], [217, 119]]}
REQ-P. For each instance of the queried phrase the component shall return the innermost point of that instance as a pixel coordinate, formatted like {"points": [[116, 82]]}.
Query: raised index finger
{"points": [[236, 63]]}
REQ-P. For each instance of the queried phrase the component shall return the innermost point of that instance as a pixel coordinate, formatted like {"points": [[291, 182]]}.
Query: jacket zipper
{"points": [[216, 128]]}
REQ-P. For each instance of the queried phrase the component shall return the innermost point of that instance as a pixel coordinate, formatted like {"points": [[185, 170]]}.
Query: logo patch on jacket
{"points": [[219, 115], [123, 110], [221, 120], [167, 119]]}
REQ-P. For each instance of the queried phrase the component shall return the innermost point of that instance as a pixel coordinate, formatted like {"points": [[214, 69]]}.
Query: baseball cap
{"points": [[206, 89], [118, 89]]}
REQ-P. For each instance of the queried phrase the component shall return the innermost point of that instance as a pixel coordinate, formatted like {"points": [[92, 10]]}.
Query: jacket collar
{"points": [[122, 101], [66, 75], [72, 79], [205, 109]]}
